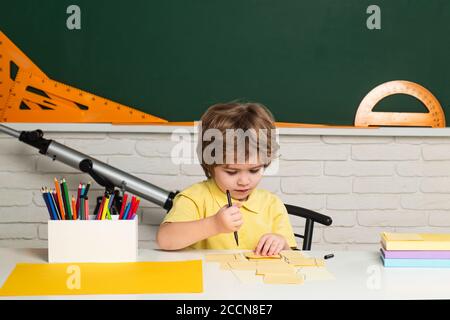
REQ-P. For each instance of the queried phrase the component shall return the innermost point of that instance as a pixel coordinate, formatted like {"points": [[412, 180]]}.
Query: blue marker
{"points": [[127, 209]]}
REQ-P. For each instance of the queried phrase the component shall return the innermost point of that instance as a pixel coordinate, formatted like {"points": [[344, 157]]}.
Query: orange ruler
{"points": [[28, 95]]}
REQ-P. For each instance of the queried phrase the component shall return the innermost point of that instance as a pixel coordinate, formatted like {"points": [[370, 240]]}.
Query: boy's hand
{"points": [[228, 219], [270, 244]]}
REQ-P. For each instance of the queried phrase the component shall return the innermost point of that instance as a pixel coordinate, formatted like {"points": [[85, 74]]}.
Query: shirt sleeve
{"points": [[281, 223], [183, 209]]}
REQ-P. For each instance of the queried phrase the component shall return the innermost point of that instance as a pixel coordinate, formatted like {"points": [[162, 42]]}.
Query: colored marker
{"points": [[111, 202], [105, 207], [85, 194], [100, 209], [136, 205], [124, 204], [127, 209]]}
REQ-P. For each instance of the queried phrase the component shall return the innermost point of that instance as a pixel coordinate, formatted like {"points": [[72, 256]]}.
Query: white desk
{"points": [[359, 275]]}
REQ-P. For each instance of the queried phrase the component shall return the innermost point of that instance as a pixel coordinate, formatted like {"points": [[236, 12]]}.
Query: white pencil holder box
{"points": [[93, 240]]}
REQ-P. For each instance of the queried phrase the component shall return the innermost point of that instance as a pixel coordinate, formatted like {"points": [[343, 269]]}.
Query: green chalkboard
{"points": [[309, 61]]}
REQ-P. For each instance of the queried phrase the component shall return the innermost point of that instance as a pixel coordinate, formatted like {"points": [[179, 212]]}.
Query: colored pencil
{"points": [[81, 209], [80, 205], [66, 199], [77, 205], [60, 200], [55, 215], [74, 207], [55, 199], [86, 208], [83, 190], [52, 197], [47, 203]]}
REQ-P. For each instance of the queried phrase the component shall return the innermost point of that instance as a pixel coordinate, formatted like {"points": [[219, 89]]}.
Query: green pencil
{"points": [[82, 209], [66, 196], [108, 214]]}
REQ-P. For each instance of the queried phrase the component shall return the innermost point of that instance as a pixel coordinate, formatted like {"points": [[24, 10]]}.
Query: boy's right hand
{"points": [[228, 219]]}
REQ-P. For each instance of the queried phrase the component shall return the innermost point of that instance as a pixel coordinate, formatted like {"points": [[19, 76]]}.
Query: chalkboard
{"points": [[309, 61]]}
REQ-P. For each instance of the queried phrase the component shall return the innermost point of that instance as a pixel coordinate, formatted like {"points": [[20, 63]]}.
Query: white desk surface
{"points": [[358, 275]]}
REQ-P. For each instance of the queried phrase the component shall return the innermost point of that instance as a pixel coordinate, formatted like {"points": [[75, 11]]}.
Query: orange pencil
{"points": [[100, 209], [74, 207], [86, 208], [60, 200]]}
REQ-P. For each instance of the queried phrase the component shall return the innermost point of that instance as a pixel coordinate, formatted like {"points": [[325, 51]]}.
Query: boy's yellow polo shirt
{"points": [[263, 212]]}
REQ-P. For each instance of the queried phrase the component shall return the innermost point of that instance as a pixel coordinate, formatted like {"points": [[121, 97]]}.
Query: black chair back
{"points": [[311, 217]]}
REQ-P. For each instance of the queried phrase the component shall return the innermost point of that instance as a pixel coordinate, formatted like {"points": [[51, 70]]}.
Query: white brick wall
{"points": [[366, 184]]}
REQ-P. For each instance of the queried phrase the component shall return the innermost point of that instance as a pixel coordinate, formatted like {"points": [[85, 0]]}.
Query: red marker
{"points": [[124, 204]]}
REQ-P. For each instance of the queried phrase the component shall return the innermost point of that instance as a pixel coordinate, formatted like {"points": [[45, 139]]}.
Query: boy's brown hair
{"points": [[244, 116]]}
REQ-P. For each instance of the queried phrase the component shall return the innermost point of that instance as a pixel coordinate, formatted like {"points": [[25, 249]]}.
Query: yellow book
{"points": [[415, 241]]}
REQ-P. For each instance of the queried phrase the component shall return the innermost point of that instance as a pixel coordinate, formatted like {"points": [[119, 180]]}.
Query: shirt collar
{"points": [[251, 204]]}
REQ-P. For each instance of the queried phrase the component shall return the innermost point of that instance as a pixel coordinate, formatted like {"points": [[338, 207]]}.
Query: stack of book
{"points": [[424, 250]]}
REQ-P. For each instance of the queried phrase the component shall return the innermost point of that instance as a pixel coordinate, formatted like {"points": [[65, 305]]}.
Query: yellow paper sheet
{"points": [[270, 262], [271, 269], [277, 278], [291, 254], [240, 257], [320, 262], [316, 274], [104, 278], [247, 276], [220, 257], [307, 262], [242, 265]]}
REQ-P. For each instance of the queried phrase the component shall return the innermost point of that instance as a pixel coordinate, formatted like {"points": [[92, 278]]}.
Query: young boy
{"points": [[200, 216]]}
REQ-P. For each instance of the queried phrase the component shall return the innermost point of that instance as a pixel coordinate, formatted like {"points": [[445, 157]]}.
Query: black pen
{"points": [[236, 237], [328, 256]]}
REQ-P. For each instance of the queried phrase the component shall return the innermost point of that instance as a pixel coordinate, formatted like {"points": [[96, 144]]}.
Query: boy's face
{"points": [[239, 179]]}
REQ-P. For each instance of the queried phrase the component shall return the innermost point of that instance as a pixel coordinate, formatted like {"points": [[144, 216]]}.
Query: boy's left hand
{"points": [[270, 244]]}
